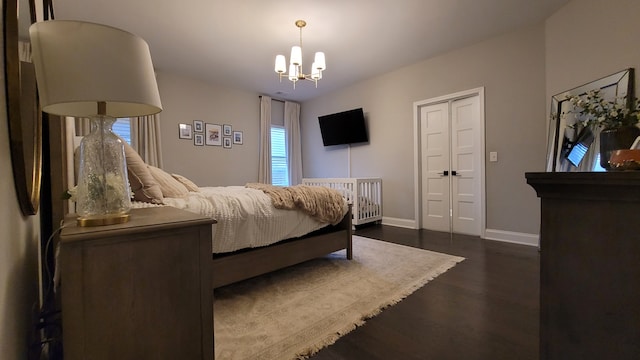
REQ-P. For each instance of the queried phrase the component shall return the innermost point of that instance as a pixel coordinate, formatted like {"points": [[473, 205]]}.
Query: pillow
{"points": [[190, 185], [170, 187], [145, 188]]}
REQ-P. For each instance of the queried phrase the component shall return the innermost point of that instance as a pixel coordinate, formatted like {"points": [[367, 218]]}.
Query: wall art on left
{"points": [[185, 131]]}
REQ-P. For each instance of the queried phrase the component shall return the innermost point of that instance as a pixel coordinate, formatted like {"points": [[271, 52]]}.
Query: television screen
{"points": [[345, 127]]}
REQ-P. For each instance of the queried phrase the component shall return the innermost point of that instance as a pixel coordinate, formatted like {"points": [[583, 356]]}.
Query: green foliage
{"points": [[594, 111]]}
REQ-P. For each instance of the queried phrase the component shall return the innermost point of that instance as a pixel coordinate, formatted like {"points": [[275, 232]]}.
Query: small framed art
{"points": [[226, 130], [237, 137], [213, 133], [198, 126], [198, 139], [226, 143], [184, 131]]}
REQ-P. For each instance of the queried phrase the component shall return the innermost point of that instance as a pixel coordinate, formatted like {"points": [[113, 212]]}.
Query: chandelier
{"points": [[295, 63]]}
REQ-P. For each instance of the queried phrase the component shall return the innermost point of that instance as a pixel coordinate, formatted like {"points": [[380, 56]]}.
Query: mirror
{"points": [[563, 136], [23, 112]]}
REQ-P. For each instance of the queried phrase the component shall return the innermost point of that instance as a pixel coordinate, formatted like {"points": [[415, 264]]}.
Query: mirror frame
{"points": [[619, 84], [23, 113]]}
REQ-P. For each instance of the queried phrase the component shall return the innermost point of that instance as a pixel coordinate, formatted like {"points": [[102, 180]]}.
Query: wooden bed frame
{"points": [[244, 264]]}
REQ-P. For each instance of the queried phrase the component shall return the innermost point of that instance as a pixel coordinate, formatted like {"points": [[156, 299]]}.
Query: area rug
{"points": [[293, 313]]}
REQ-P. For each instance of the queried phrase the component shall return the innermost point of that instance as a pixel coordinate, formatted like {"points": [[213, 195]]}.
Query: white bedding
{"points": [[246, 217]]}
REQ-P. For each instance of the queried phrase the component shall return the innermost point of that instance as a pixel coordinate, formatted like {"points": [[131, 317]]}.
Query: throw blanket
{"points": [[325, 204]]}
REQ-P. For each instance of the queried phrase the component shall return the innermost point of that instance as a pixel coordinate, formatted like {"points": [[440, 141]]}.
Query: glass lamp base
{"points": [[100, 220], [103, 194]]}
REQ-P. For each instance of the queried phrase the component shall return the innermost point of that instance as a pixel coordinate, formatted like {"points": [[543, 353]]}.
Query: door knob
{"points": [[444, 173]]}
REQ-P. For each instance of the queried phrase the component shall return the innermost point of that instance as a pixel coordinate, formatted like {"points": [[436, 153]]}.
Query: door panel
{"points": [[466, 162], [434, 129]]}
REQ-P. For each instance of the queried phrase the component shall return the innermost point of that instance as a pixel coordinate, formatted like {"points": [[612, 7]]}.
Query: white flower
{"points": [[71, 193]]}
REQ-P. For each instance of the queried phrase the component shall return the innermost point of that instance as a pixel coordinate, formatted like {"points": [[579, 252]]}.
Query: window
{"points": [[279, 159], [122, 128]]}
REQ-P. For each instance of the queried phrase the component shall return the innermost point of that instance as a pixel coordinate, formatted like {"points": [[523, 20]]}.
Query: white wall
{"points": [[512, 70], [185, 100], [589, 39], [19, 238]]}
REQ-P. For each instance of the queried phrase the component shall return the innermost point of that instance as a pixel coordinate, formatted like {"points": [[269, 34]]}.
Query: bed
{"points": [[258, 229]]}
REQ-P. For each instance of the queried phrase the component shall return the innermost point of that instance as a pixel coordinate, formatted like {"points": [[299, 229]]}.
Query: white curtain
{"points": [[83, 126], [294, 149], [264, 171], [24, 51], [145, 138]]}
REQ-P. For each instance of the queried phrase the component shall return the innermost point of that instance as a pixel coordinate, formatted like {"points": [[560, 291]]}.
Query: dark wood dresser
{"points": [[590, 265], [139, 290]]}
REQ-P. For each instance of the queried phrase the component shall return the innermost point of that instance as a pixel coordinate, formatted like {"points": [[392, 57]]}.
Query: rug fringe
{"points": [[331, 339]]}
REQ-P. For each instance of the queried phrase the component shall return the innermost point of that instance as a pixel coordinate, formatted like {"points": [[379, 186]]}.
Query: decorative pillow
{"points": [[190, 185], [145, 188], [170, 187]]}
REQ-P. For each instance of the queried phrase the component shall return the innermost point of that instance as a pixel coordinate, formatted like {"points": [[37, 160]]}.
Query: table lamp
{"points": [[103, 73]]}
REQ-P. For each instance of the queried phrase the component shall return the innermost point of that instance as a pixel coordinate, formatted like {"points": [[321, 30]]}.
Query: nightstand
{"points": [[138, 290]]}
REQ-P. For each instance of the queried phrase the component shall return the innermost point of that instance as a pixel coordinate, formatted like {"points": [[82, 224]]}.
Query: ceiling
{"points": [[234, 43]]}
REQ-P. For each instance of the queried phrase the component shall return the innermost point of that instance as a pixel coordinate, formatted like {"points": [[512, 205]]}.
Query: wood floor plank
{"points": [[486, 307]]}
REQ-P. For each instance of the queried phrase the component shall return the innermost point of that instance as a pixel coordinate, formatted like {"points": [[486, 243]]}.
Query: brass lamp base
{"points": [[101, 220]]}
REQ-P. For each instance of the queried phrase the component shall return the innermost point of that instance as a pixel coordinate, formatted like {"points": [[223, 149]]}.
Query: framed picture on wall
{"points": [[184, 131], [226, 130], [227, 143], [213, 133], [237, 137], [198, 126], [198, 139]]}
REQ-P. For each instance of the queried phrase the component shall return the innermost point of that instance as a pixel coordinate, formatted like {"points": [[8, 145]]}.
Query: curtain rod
{"points": [[260, 96]]}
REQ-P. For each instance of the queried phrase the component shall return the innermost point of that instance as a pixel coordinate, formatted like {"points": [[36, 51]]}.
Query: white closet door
{"points": [[465, 161], [434, 127], [450, 160]]}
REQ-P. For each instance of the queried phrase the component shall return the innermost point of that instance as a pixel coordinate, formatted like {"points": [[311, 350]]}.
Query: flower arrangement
{"points": [[97, 189], [596, 112]]}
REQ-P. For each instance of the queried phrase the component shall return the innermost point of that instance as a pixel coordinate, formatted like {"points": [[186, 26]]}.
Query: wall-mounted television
{"points": [[347, 127]]}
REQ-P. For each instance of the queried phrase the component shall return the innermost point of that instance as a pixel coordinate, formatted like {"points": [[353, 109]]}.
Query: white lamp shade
{"points": [[316, 73], [293, 72], [319, 61], [296, 55], [79, 64], [281, 64]]}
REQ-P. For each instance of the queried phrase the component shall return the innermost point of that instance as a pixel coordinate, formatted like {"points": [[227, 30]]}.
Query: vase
{"points": [[615, 139]]}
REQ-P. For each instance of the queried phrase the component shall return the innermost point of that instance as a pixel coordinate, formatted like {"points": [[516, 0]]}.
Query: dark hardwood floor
{"points": [[486, 307]]}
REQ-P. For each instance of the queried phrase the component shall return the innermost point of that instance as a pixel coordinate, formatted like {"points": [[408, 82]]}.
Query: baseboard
{"points": [[489, 234], [512, 237], [403, 223]]}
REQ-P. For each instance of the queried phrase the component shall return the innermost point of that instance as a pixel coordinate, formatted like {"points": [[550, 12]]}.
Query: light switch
{"points": [[493, 156]]}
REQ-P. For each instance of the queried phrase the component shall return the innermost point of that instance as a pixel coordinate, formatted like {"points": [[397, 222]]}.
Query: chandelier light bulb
{"points": [[319, 61], [281, 64], [296, 55], [316, 73], [293, 72]]}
